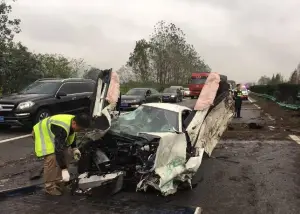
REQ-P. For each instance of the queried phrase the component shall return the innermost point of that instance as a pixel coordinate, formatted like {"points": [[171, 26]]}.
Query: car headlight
{"points": [[172, 95], [135, 101], [25, 105]]}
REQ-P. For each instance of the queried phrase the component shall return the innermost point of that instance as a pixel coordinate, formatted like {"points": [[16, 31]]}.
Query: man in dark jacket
{"points": [[238, 101]]}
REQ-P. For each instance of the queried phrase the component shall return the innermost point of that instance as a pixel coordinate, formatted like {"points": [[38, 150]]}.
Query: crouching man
{"points": [[52, 137]]}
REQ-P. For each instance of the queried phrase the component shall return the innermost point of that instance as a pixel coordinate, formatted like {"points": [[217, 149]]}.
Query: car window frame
{"points": [[180, 119], [153, 90], [65, 83], [149, 90]]}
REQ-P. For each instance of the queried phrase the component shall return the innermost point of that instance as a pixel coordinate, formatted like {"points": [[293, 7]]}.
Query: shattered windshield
{"points": [[146, 119]]}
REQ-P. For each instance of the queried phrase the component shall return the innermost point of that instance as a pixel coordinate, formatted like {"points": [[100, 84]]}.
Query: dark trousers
{"points": [[238, 107]]}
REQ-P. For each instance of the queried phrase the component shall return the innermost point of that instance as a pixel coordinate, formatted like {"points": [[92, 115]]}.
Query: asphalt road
{"points": [[250, 172]]}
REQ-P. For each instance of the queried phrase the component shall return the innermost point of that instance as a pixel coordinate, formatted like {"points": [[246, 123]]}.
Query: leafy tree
{"points": [[56, 66], [166, 57], [20, 68], [92, 73], [126, 74], [276, 79], [8, 27], [264, 80], [139, 60], [294, 78]]}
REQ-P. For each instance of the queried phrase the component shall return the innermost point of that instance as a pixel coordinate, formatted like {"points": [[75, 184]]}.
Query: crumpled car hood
{"points": [[205, 130], [208, 122]]}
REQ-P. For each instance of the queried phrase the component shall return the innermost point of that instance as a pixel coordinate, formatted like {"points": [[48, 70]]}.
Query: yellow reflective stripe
{"points": [[63, 124], [42, 136], [67, 128]]}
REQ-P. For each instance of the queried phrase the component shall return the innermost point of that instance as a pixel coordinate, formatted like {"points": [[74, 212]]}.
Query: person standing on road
{"points": [[238, 101], [52, 137]]}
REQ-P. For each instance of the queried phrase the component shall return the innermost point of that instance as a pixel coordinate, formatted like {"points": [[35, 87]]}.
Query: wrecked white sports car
{"points": [[158, 145]]}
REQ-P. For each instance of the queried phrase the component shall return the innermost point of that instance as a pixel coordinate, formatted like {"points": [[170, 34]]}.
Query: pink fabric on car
{"points": [[113, 92], [208, 93]]}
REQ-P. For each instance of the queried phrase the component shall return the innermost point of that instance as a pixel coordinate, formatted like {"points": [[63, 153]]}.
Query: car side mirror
{"points": [[61, 94]]}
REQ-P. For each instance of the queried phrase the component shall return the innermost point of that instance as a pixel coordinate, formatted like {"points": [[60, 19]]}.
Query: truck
{"points": [[197, 82]]}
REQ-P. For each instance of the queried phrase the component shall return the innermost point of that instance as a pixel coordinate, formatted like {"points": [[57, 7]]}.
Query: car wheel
{"points": [[41, 114]]}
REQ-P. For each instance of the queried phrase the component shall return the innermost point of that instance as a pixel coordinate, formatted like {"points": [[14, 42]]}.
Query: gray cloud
{"points": [[242, 39]]}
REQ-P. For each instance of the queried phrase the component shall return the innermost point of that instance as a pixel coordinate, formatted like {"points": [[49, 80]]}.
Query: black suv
{"points": [[43, 98]]}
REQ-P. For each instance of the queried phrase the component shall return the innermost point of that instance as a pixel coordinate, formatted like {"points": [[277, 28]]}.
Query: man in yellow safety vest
{"points": [[52, 137]]}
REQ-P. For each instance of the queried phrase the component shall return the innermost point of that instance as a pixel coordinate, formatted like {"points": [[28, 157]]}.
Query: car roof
{"points": [[142, 88], [167, 106], [65, 80]]}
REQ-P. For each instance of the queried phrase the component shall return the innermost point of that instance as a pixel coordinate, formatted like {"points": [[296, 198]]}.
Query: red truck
{"points": [[197, 82]]}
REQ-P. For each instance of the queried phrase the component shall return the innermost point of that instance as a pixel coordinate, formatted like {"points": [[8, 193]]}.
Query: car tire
{"points": [[41, 114]]}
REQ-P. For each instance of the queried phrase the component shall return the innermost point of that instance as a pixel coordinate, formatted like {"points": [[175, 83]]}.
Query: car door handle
{"points": [[73, 98]]}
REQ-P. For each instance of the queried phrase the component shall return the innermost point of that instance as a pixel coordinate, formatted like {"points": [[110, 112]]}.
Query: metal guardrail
{"points": [[281, 104]]}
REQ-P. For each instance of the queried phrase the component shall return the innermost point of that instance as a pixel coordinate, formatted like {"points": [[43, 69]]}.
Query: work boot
{"points": [[54, 192]]}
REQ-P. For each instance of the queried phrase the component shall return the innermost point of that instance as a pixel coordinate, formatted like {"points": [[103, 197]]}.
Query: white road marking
{"points": [[15, 138], [295, 138], [252, 101], [256, 106], [198, 210]]}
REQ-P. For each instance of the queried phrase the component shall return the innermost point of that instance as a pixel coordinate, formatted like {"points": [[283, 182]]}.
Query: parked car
{"points": [[172, 95], [137, 96], [179, 87], [245, 93], [43, 98], [186, 92]]}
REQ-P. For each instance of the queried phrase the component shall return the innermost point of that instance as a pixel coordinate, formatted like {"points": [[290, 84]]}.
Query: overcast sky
{"points": [[239, 38]]}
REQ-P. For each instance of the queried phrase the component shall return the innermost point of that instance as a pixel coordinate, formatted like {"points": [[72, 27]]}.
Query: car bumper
{"points": [[15, 119], [245, 97], [194, 93], [168, 99]]}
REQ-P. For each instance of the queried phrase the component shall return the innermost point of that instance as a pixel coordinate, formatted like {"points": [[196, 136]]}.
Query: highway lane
{"points": [[245, 175]]}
